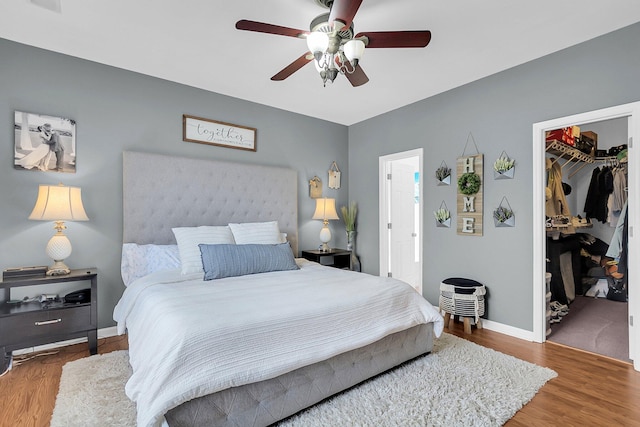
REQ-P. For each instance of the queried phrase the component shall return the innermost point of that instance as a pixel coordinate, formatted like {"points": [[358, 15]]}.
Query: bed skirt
{"points": [[266, 402]]}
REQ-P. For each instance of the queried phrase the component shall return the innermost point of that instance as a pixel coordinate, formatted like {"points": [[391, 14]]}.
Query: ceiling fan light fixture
{"points": [[332, 73], [353, 50], [317, 42], [335, 48]]}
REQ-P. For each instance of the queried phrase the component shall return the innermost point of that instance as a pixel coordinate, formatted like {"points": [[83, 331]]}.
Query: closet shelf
{"points": [[562, 150]]}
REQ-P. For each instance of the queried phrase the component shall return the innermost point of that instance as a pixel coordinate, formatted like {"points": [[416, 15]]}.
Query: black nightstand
{"points": [[29, 324], [338, 258]]}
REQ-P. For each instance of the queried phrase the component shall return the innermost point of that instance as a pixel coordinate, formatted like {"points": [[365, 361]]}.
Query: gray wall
{"points": [[499, 111], [118, 110]]}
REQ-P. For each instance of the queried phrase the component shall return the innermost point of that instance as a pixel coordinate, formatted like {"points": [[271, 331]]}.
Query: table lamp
{"points": [[59, 204], [325, 210]]}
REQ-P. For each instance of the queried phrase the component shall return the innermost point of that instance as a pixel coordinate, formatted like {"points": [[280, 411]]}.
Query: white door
{"points": [[400, 221]]}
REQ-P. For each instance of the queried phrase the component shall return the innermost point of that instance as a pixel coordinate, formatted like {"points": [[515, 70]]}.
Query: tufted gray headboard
{"points": [[161, 192]]}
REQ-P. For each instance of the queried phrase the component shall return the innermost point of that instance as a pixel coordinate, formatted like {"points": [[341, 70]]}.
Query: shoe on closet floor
{"points": [[561, 309]]}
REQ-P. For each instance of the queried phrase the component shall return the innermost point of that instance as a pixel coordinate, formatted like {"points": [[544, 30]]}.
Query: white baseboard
{"points": [[503, 329], [508, 330], [111, 331]]}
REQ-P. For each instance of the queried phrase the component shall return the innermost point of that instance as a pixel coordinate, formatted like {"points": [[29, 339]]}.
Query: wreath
{"points": [[469, 183]]}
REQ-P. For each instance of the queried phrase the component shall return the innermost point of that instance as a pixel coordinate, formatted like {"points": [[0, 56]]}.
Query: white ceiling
{"points": [[195, 42]]}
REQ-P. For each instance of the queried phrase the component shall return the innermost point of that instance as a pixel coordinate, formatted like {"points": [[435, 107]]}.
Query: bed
{"points": [[245, 349]]}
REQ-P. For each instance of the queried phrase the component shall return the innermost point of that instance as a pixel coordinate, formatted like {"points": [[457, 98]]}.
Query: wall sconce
{"points": [[59, 204]]}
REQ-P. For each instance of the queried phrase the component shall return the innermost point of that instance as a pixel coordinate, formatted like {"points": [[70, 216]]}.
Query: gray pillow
{"points": [[225, 260]]}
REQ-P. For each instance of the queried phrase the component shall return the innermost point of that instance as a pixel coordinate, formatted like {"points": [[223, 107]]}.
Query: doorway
{"points": [[401, 217], [632, 113]]}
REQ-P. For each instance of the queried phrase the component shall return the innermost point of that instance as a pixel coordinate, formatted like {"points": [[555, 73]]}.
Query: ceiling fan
{"points": [[332, 43]]}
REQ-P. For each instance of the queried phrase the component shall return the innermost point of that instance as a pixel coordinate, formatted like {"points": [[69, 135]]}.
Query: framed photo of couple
{"points": [[44, 143]]}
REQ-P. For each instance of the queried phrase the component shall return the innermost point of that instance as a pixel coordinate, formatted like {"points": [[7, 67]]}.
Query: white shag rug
{"points": [[458, 384]]}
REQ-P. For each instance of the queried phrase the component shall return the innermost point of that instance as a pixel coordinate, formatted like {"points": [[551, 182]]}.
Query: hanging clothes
{"points": [[591, 202], [619, 194], [556, 204], [619, 236], [600, 188], [605, 188]]}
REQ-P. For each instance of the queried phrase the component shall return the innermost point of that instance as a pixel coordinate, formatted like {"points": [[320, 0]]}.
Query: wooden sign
{"points": [[205, 131], [469, 203]]}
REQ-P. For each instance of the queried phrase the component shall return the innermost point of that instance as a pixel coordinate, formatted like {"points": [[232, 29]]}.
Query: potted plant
{"points": [[503, 217], [443, 217], [503, 167], [443, 175], [349, 215]]}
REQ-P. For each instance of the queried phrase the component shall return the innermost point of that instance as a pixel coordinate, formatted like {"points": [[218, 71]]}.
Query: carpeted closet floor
{"points": [[597, 325]]}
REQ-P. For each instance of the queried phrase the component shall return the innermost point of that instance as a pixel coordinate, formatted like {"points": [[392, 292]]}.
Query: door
{"points": [[401, 234]]}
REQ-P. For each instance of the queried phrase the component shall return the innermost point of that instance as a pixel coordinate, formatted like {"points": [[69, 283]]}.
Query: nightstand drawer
{"points": [[40, 323]]}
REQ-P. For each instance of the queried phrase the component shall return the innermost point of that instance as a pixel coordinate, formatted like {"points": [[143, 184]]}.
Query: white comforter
{"points": [[189, 338]]}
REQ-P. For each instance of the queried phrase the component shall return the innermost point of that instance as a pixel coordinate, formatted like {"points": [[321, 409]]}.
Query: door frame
{"points": [[384, 211], [632, 112]]}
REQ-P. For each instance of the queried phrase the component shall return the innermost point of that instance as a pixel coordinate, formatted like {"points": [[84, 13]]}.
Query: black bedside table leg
{"points": [[92, 336]]}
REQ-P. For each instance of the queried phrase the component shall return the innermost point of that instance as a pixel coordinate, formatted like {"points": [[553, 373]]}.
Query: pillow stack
{"points": [[233, 250]]}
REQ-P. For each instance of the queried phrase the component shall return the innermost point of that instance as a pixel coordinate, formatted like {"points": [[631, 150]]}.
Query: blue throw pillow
{"points": [[225, 260]]}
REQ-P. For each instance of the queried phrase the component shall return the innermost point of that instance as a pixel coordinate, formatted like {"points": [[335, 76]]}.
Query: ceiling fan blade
{"points": [[293, 67], [358, 77], [344, 10], [382, 39], [261, 27]]}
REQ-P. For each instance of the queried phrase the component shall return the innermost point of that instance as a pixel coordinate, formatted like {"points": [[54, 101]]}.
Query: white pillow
{"points": [[140, 260], [188, 239], [259, 233]]}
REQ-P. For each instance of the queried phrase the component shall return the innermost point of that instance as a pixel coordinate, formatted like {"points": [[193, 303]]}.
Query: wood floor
{"points": [[590, 390]]}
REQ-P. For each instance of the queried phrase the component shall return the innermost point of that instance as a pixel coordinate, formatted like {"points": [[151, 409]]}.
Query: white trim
{"points": [[111, 331], [490, 325], [632, 111], [508, 330]]}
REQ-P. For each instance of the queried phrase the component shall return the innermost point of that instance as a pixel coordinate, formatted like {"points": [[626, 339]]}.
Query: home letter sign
{"points": [[470, 204]]}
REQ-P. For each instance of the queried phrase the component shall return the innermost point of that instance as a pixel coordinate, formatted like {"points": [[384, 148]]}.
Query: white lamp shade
{"points": [[58, 203], [317, 42], [325, 209], [354, 49]]}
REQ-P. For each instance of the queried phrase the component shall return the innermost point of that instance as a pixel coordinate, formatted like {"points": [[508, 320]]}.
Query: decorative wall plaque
{"points": [[315, 188], [469, 171]]}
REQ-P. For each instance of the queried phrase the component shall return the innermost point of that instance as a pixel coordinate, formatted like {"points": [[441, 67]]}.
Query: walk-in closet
{"points": [[586, 237]]}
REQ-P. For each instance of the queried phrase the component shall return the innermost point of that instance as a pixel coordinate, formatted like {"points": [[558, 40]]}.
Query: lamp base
{"points": [[325, 237], [58, 249], [59, 268]]}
